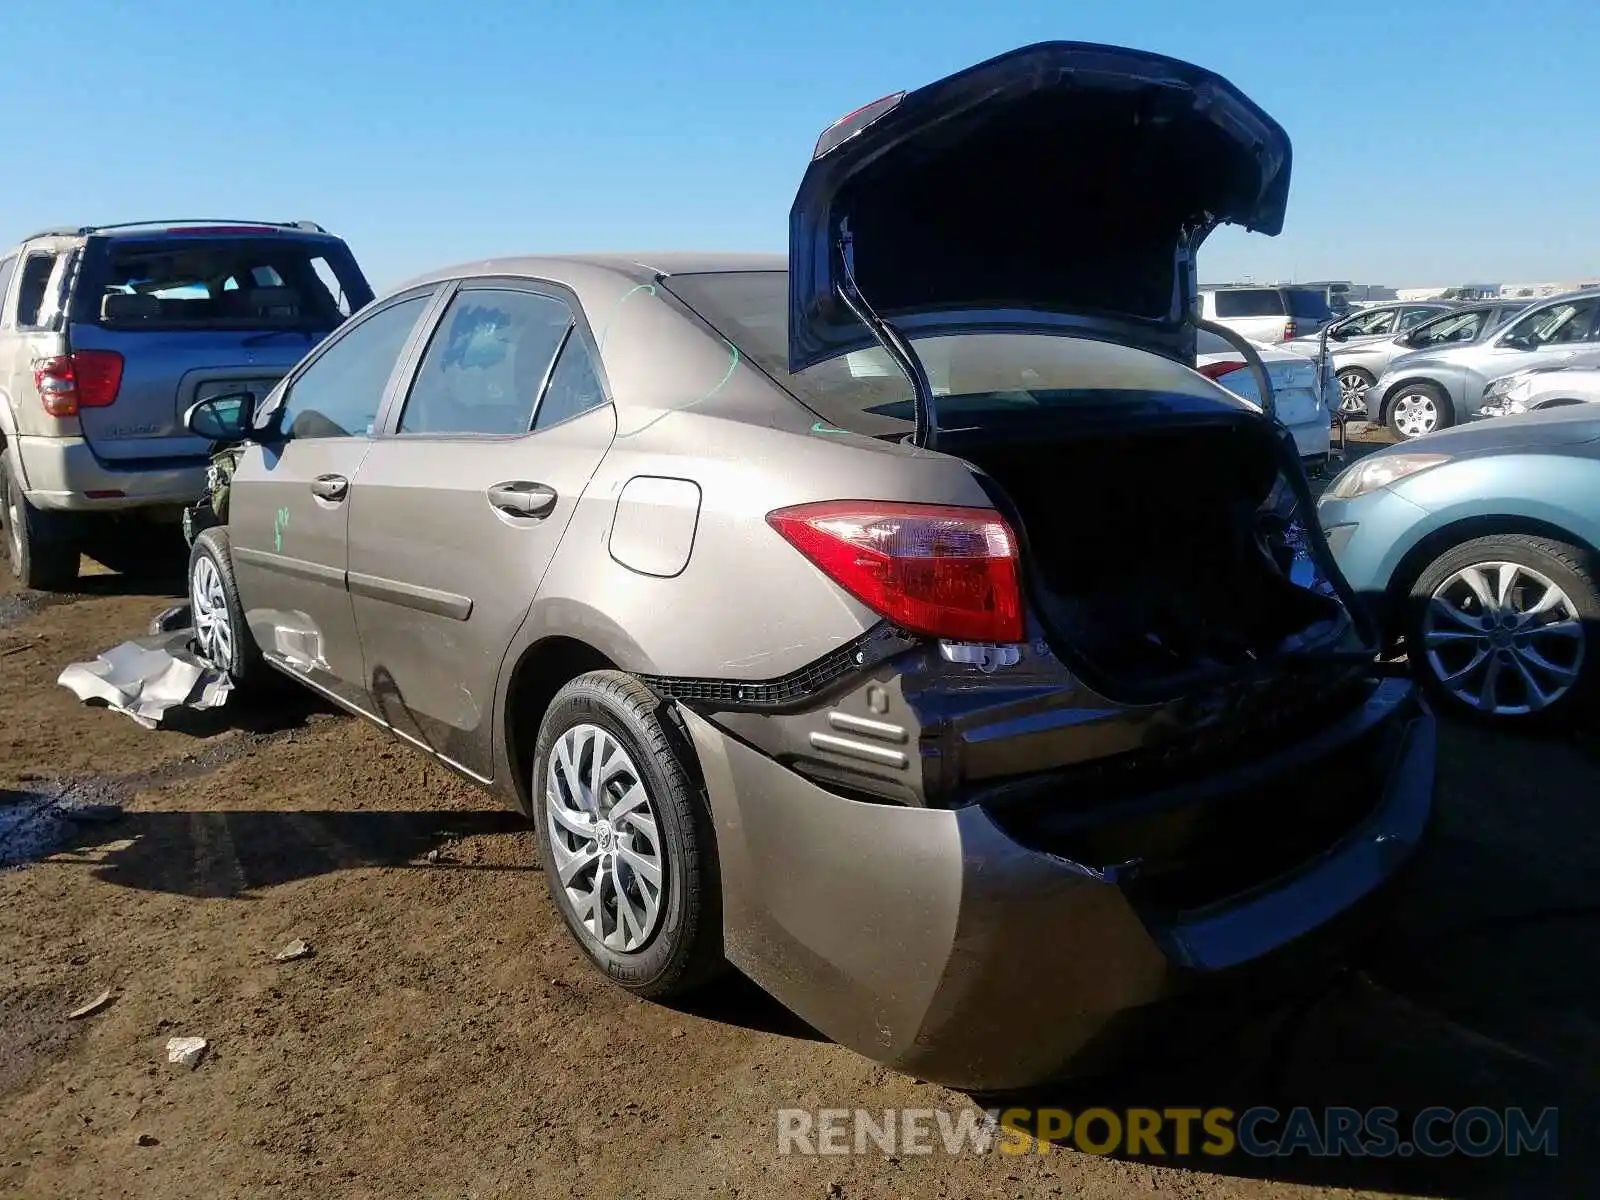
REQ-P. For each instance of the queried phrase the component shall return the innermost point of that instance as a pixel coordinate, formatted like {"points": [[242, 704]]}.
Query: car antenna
{"points": [[925, 432]]}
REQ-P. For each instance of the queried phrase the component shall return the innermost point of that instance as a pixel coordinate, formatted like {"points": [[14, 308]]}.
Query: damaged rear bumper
{"points": [[946, 945]]}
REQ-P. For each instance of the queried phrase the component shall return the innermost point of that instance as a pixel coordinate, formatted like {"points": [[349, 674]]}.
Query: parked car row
{"points": [[1449, 370]]}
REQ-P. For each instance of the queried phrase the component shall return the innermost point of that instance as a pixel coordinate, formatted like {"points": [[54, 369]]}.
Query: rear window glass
{"points": [[1258, 302], [222, 283], [865, 392], [1310, 303]]}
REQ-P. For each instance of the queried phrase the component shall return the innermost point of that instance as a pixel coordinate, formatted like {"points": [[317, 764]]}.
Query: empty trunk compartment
{"points": [[1161, 558]]}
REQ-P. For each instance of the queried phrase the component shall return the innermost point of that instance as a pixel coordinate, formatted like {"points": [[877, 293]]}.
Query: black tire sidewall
{"points": [[42, 564], [1549, 557], [676, 952], [1441, 400]]}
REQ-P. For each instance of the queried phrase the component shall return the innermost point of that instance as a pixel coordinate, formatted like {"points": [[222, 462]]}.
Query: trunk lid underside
{"points": [[1062, 187]]}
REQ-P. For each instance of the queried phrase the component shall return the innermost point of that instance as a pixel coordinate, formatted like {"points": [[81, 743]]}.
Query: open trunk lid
{"points": [[188, 315], [1063, 187]]}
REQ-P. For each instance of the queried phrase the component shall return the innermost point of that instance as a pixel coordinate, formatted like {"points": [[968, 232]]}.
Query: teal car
{"points": [[1478, 549]]}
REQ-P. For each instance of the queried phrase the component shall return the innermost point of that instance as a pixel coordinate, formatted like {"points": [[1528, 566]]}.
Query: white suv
{"points": [[1267, 314]]}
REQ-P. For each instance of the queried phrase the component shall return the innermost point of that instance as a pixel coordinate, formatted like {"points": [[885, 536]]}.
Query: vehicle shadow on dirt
{"points": [[223, 854], [1483, 992]]}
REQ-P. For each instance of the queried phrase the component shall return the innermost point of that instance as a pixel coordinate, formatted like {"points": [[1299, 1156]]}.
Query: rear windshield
{"points": [[1250, 302], [865, 392], [1309, 303], [194, 282]]}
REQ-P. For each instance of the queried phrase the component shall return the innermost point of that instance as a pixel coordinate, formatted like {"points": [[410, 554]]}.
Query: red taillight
{"points": [[936, 570], [1290, 330], [84, 379], [1216, 370]]}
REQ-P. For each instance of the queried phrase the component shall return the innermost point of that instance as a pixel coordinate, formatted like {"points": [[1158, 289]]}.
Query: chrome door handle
{"points": [[520, 498], [330, 487]]}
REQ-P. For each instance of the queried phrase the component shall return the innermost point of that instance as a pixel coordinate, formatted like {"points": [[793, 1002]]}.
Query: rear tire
{"points": [[42, 552], [615, 803], [1499, 663], [1418, 409], [220, 630]]}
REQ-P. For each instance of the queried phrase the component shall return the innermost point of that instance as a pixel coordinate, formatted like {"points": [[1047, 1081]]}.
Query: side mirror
{"points": [[1338, 334], [223, 418]]}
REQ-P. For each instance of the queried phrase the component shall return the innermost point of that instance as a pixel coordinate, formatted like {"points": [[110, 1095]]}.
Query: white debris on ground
{"points": [[295, 949], [186, 1051], [146, 677], [90, 1007]]}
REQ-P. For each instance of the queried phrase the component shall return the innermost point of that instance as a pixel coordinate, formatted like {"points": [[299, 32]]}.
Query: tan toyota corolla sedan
{"points": [[905, 624]]}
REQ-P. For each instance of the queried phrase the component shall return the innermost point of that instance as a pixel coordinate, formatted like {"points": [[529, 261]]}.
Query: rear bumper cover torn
{"points": [[932, 941]]}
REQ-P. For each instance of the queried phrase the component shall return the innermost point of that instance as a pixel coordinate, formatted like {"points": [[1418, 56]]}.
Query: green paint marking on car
{"points": [[824, 427], [279, 524]]}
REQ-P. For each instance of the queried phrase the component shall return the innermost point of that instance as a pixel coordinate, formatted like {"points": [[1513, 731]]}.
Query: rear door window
{"points": [[1412, 317], [574, 385], [34, 304], [1252, 302], [339, 394], [487, 363], [208, 282]]}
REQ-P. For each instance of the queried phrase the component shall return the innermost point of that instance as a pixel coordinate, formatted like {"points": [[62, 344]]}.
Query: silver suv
{"points": [[1267, 314], [107, 335]]}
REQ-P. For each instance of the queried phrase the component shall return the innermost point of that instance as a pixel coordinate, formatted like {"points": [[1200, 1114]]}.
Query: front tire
{"points": [[220, 631], [625, 837], [43, 555], [1354, 383], [1419, 409], [1503, 629]]}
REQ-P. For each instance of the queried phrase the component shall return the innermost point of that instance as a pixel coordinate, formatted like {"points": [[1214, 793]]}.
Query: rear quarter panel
{"points": [[746, 605]]}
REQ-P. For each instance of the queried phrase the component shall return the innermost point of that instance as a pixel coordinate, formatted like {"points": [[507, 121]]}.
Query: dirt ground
{"points": [[445, 1039]]}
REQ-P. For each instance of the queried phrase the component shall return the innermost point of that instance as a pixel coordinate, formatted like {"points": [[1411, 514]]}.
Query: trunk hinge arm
{"points": [[1239, 342], [894, 343]]}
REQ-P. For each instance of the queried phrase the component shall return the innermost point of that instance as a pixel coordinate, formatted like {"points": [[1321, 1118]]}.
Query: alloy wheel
{"points": [[605, 838], [1416, 414], [1353, 388], [1503, 639], [212, 627]]}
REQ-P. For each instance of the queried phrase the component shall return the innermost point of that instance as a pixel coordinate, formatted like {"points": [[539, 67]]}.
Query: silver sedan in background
{"points": [[1576, 381]]}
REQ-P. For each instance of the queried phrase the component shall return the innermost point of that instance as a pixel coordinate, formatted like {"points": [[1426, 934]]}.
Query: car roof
{"points": [[577, 270]]}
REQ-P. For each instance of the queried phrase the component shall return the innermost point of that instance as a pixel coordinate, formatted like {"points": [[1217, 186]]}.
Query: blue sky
{"points": [[1436, 141]]}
